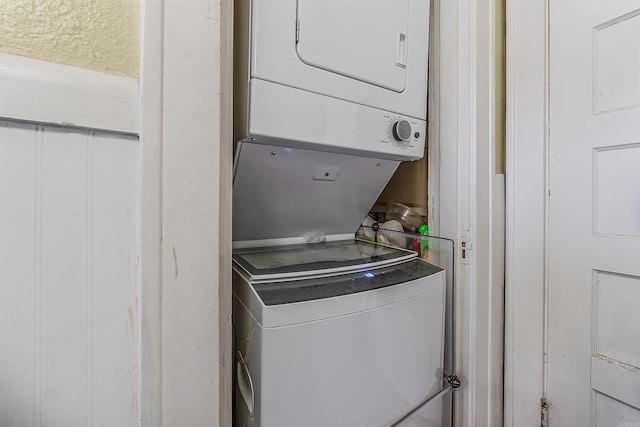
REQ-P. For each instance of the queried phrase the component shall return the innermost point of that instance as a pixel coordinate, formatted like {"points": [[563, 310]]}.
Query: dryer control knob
{"points": [[402, 130]]}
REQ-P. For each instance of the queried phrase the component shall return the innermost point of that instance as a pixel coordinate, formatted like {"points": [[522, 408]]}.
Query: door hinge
{"points": [[544, 413], [465, 247], [297, 30]]}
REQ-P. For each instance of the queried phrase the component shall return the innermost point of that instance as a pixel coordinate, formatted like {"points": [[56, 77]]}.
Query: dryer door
{"points": [[338, 36], [369, 53]]}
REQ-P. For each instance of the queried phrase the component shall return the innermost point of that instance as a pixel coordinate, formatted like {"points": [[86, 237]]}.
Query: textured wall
{"points": [[97, 34]]}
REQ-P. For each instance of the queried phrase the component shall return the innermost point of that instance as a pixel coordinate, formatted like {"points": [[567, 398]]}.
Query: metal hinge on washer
{"points": [[453, 381], [297, 30]]}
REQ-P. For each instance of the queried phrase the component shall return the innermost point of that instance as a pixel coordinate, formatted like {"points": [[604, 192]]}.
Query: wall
{"points": [[101, 35], [69, 214], [181, 372], [68, 285], [408, 185]]}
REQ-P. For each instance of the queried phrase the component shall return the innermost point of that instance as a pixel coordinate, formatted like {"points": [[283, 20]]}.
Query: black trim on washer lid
{"points": [[277, 293]]}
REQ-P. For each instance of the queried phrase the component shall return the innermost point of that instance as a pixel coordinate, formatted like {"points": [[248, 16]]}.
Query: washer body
{"points": [[324, 347]]}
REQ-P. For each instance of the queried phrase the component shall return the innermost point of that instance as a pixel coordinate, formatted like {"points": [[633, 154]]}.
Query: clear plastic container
{"points": [[410, 219]]}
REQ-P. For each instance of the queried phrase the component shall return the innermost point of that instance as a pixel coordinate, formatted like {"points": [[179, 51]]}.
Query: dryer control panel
{"points": [[308, 120], [403, 132]]}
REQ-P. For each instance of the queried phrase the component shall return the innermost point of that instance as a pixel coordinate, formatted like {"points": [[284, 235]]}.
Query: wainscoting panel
{"points": [[69, 320]]}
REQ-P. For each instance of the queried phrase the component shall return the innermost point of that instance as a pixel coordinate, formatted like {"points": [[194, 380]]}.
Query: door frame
{"points": [[466, 187], [185, 242], [467, 191], [527, 216]]}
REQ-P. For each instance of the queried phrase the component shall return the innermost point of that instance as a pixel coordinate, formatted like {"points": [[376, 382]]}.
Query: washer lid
{"points": [[290, 195], [294, 261]]}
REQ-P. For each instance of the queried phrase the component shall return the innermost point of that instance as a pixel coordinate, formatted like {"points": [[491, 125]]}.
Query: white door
{"points": [[593, 331]]}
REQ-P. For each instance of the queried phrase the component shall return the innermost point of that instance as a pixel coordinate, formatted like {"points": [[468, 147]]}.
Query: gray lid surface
{"points": [[285, 193]]}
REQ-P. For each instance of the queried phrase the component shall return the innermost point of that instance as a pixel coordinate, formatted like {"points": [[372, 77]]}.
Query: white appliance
{"points": [[329, 97], [344, 333], [335, 75]]}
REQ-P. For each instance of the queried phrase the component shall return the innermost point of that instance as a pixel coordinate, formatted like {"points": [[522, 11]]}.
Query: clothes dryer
{"points": [[347, 75]]}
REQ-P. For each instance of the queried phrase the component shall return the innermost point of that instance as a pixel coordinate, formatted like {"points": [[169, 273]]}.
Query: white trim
{"points": [[150, 267], [225, 297], [486, 287], [471, 202], [45, 92], [433, 119], [452, 148], [526, 225], [196, 244], [186, 214]]}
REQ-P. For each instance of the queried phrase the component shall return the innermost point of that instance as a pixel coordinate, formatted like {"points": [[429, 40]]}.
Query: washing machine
{"points": [[346, 75], [329, 97], [340, 333]]}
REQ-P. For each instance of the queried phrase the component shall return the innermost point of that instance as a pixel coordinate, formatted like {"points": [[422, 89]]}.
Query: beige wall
{"points": [[101, 35], [408, 185]]}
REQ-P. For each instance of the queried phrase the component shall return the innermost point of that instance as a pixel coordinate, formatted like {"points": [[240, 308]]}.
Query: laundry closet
{"points": [[330, 100], [345, 113]]}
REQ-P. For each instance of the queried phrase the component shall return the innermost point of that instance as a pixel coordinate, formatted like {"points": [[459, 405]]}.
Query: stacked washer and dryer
{"points": [[330, 97]]}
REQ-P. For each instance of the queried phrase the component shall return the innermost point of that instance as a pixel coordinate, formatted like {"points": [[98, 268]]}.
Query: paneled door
{"points": [[593, 318]]}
